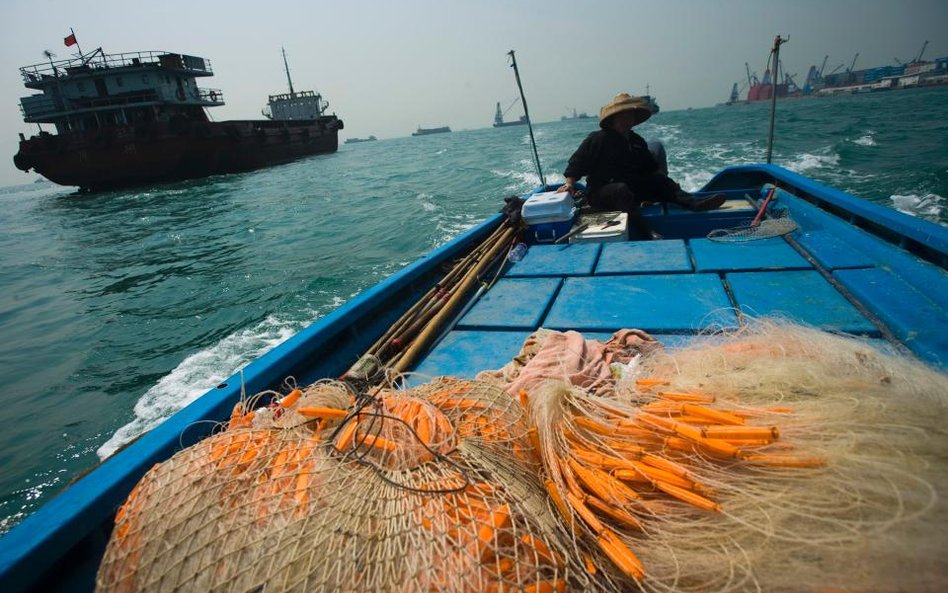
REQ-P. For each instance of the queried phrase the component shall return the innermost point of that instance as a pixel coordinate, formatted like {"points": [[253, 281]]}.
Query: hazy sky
{"points": [[387, 67]]}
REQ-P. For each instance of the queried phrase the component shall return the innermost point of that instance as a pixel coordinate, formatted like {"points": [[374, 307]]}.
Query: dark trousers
{"points": [[626, 196], [623, 198]]}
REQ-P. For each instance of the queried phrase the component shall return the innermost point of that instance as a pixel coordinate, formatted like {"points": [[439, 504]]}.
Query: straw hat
{"points": [[625, 102]]}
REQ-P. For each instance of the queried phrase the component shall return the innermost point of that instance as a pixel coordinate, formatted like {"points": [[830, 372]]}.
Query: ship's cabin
{"points": [[295, 106], [102, 90]]}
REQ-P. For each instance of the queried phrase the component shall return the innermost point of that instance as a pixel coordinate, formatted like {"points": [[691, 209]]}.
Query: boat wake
{"points": [[196, 374]]}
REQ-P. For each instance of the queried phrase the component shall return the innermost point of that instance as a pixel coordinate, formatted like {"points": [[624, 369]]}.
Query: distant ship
{"points": [[734, 98], [425, 131], [355, 140], [764, 90], [582, 115], [133, 118], [499, 117], [652, 105]]}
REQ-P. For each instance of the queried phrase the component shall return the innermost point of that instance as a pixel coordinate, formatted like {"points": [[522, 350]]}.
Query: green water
{"points": [[119, 308]]}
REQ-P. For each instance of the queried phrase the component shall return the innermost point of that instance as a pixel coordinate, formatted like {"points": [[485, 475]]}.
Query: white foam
{"points": [[524, 180], [866, 139], [693, 167], [451, 226], [929, 206], [195, 375], [693, 180], [666, 133], [807, 162], [426, 202]]}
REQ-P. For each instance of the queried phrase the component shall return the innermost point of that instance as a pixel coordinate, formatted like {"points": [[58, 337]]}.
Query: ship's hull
{"points": [[765, 92], [427, 131], [126, 156]]}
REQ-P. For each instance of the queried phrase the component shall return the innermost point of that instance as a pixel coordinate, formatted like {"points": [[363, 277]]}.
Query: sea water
{"points": [[119, 308]]}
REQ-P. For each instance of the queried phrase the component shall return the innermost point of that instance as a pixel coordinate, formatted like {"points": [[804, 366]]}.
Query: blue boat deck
{"points": [[827, 274]]}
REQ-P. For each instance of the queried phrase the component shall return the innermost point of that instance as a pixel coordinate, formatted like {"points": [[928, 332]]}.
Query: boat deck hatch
{"points": [[644, 257], [803, 296], [764, 254]]}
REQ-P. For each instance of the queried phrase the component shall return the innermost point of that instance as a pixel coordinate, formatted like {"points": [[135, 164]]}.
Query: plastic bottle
{"points": [[517, 253]]}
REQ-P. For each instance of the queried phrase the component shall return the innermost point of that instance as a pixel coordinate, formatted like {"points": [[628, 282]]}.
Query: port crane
{"points": [[751, 78], [916, 59], [850, 71], [509, 107]]}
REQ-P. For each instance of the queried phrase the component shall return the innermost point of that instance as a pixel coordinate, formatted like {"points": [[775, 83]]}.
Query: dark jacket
{"points": [[605, 156]]}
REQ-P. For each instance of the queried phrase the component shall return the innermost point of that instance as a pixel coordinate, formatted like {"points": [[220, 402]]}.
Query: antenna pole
{"points": [[287, 68], [773, 98], [79, 49], [526, 113]]}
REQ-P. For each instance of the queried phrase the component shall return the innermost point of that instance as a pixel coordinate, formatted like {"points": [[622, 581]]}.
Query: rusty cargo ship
{"points": [[137, 118]]}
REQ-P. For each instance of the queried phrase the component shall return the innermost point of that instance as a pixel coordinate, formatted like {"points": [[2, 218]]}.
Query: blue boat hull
{"points": [[881, 274]]}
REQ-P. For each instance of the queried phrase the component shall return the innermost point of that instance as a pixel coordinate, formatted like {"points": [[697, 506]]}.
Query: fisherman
{"points": [[621, 173]]}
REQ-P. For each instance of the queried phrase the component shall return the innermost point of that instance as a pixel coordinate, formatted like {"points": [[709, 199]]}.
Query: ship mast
{"points": [[287, 68]]}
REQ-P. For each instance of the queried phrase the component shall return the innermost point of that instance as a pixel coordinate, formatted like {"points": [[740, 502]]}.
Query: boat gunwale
{"points": [[881, 221]]}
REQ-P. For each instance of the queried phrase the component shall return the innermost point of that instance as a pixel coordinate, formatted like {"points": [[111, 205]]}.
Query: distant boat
{"points": [[355, 140], [652, 105], [425, 131], [582, 115], [499, 117], [734, 98]]}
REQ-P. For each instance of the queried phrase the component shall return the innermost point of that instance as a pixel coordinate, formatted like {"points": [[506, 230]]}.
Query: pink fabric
{"points": [[568, 356]]}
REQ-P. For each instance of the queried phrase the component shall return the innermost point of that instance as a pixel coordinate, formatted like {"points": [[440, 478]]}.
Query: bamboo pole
{"points": [[421, 320], [425, 337], [430, 298]]}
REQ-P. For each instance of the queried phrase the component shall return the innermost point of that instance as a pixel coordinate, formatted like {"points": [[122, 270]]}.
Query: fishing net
{"points": [[779, 458], [765, 229], [435, 489]]}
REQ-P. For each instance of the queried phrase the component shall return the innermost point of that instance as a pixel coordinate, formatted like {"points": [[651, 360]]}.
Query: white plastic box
{"points": [[548, 215], [603, 227]]}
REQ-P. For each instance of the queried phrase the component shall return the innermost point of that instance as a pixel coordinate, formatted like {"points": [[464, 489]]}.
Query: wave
{"points": [[524, 180], [195, 375], [806, 161], [866, 139], [450, 226], [666, 133], [692, 167], [928, 206], [425, 199]]}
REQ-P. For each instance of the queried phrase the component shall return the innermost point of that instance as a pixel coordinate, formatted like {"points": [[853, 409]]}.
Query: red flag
{"points": [[71, 40]]}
